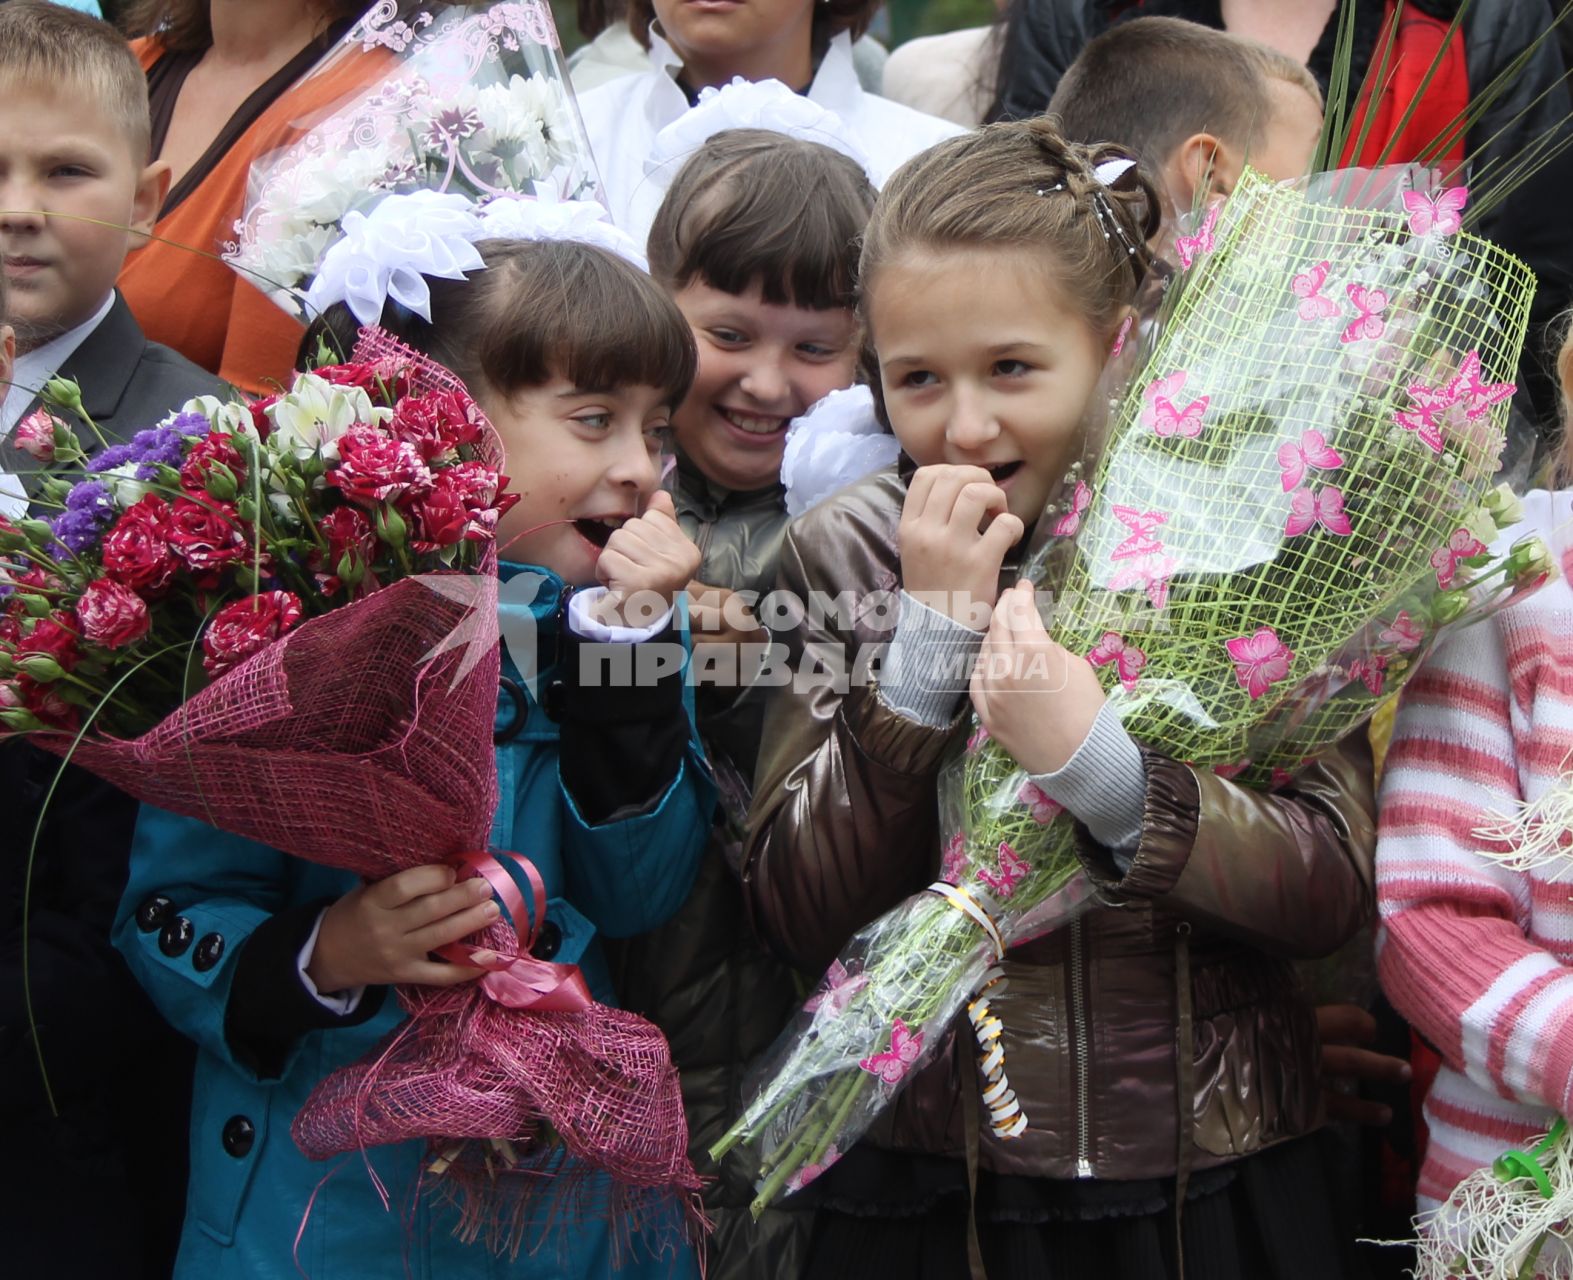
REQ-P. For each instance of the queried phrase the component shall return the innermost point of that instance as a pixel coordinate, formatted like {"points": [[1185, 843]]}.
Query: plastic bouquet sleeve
{"points": [[1293, 500], [469, 99], [376, 677]]}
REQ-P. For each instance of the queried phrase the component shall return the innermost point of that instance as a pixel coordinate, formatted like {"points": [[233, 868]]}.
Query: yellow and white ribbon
{"points": [[1006, 1117]]}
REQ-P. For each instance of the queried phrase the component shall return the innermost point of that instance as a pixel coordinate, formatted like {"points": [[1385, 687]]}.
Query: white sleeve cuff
{"points": [[342, 1003], [928, 667], [1104, 785], [587, 627]]}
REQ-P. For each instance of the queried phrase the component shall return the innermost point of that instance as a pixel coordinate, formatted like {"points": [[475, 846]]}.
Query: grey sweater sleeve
{"points": [[927, 669], [1104, 785]]}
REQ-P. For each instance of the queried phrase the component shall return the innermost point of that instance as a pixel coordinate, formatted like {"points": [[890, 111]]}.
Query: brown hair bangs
{"points": [[755, 207]]}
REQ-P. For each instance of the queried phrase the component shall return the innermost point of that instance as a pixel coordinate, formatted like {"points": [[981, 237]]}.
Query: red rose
{"points": [[136, 549], [377, 378], [438, 423], [246, 627], [463, 505], [215, 449], [35, 435], [112, 615], [259, 416], [374, 468], [51, 637], [43, 701], [346, 529], [207, 536]]}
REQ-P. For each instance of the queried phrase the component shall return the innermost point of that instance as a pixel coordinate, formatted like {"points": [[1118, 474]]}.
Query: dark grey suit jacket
{"points": [[128, 383], [121, 1078]]}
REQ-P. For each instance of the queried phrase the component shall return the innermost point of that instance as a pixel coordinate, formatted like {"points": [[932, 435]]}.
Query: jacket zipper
{"points": [[1083, 1056]]}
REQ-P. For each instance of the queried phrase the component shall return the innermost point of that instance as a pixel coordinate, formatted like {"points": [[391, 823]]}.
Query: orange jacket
{"points": [[179, 288]]}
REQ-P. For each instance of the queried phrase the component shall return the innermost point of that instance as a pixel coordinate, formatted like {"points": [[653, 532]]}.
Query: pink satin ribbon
{"points": [[519, 981]]}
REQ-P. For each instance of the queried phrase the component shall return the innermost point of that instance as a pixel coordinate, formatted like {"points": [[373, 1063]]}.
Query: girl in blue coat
{"points": [[279, 968]]}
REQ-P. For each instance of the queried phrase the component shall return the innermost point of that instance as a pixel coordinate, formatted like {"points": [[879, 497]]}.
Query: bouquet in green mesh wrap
{"points": [[1293, 500]]}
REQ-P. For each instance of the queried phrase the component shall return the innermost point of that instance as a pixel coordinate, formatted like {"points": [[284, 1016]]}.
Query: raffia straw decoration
{"points": [[1497, 1227]]}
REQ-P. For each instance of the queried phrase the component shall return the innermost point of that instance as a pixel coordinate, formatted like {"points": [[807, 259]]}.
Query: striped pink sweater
{"points": [[1480, 959]]}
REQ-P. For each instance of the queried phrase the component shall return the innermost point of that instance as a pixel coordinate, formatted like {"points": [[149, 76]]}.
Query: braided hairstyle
{"points": [[1020, 185]]}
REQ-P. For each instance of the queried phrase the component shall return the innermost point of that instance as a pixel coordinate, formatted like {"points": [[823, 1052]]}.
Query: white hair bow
{"points": [[390, 251], [746, 104]]}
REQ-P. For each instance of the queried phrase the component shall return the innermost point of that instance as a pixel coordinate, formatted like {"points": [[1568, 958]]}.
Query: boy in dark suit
{"points": [[98, 1183], [76, 192]]}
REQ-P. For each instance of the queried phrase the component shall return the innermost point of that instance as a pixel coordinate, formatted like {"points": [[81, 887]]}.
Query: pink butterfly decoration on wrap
{"points": [[1044, 810], [1477, 397], [1228, 772], [836, 991], [1324, 507], [1445, 560], [1151, 573], [980, 735], [1160, 412], [1126, 325], [1068, 524], [1442, 216], [953, 862], [1424, 417], [1405, 634], [1369, 305], [1260, 660], [1307, 286], [1190, 248], [809, 1172], [1128, 660], [1013, 870], [1372, 672], [1142, 524], [1312, 451], [892, 1065]]}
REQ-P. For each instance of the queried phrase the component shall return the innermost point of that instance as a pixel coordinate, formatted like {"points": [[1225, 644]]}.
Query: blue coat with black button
{"points": [[212, 926]]}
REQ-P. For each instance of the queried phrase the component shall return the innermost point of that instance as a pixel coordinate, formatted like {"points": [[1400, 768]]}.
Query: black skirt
{"points": [[1268, 1217]]}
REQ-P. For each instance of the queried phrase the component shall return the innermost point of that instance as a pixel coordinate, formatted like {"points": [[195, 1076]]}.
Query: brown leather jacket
{"points": [[1228, 884]]}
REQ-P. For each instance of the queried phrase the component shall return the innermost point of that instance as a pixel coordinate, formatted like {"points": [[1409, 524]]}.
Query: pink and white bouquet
{"points": [[470, 99]]}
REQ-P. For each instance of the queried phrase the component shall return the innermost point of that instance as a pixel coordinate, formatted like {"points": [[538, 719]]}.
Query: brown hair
{"points": [[751, 206], [50, 44], [184, 26], [831, 18], [540, 309], [1020, 185], [1151, 83]]}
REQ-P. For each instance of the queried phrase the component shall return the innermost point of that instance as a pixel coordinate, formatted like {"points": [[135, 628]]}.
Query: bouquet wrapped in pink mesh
{"points": [[247, 614]]}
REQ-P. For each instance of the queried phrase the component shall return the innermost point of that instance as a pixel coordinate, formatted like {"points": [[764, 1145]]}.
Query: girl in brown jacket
{"points": [[1159, 1044]]}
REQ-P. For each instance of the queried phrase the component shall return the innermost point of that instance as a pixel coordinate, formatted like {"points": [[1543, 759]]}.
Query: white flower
{"points": [[315, 413], [124, 487], [326, 192], [525, 117]]}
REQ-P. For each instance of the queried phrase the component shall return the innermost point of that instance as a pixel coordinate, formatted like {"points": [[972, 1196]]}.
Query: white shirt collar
{"points": [[835, 86], [40, 364]]}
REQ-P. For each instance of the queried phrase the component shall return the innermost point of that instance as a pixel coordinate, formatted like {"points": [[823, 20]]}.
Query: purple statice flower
{"points": [[88, 513], [191, 424], [155, 447], [117, 455]]}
